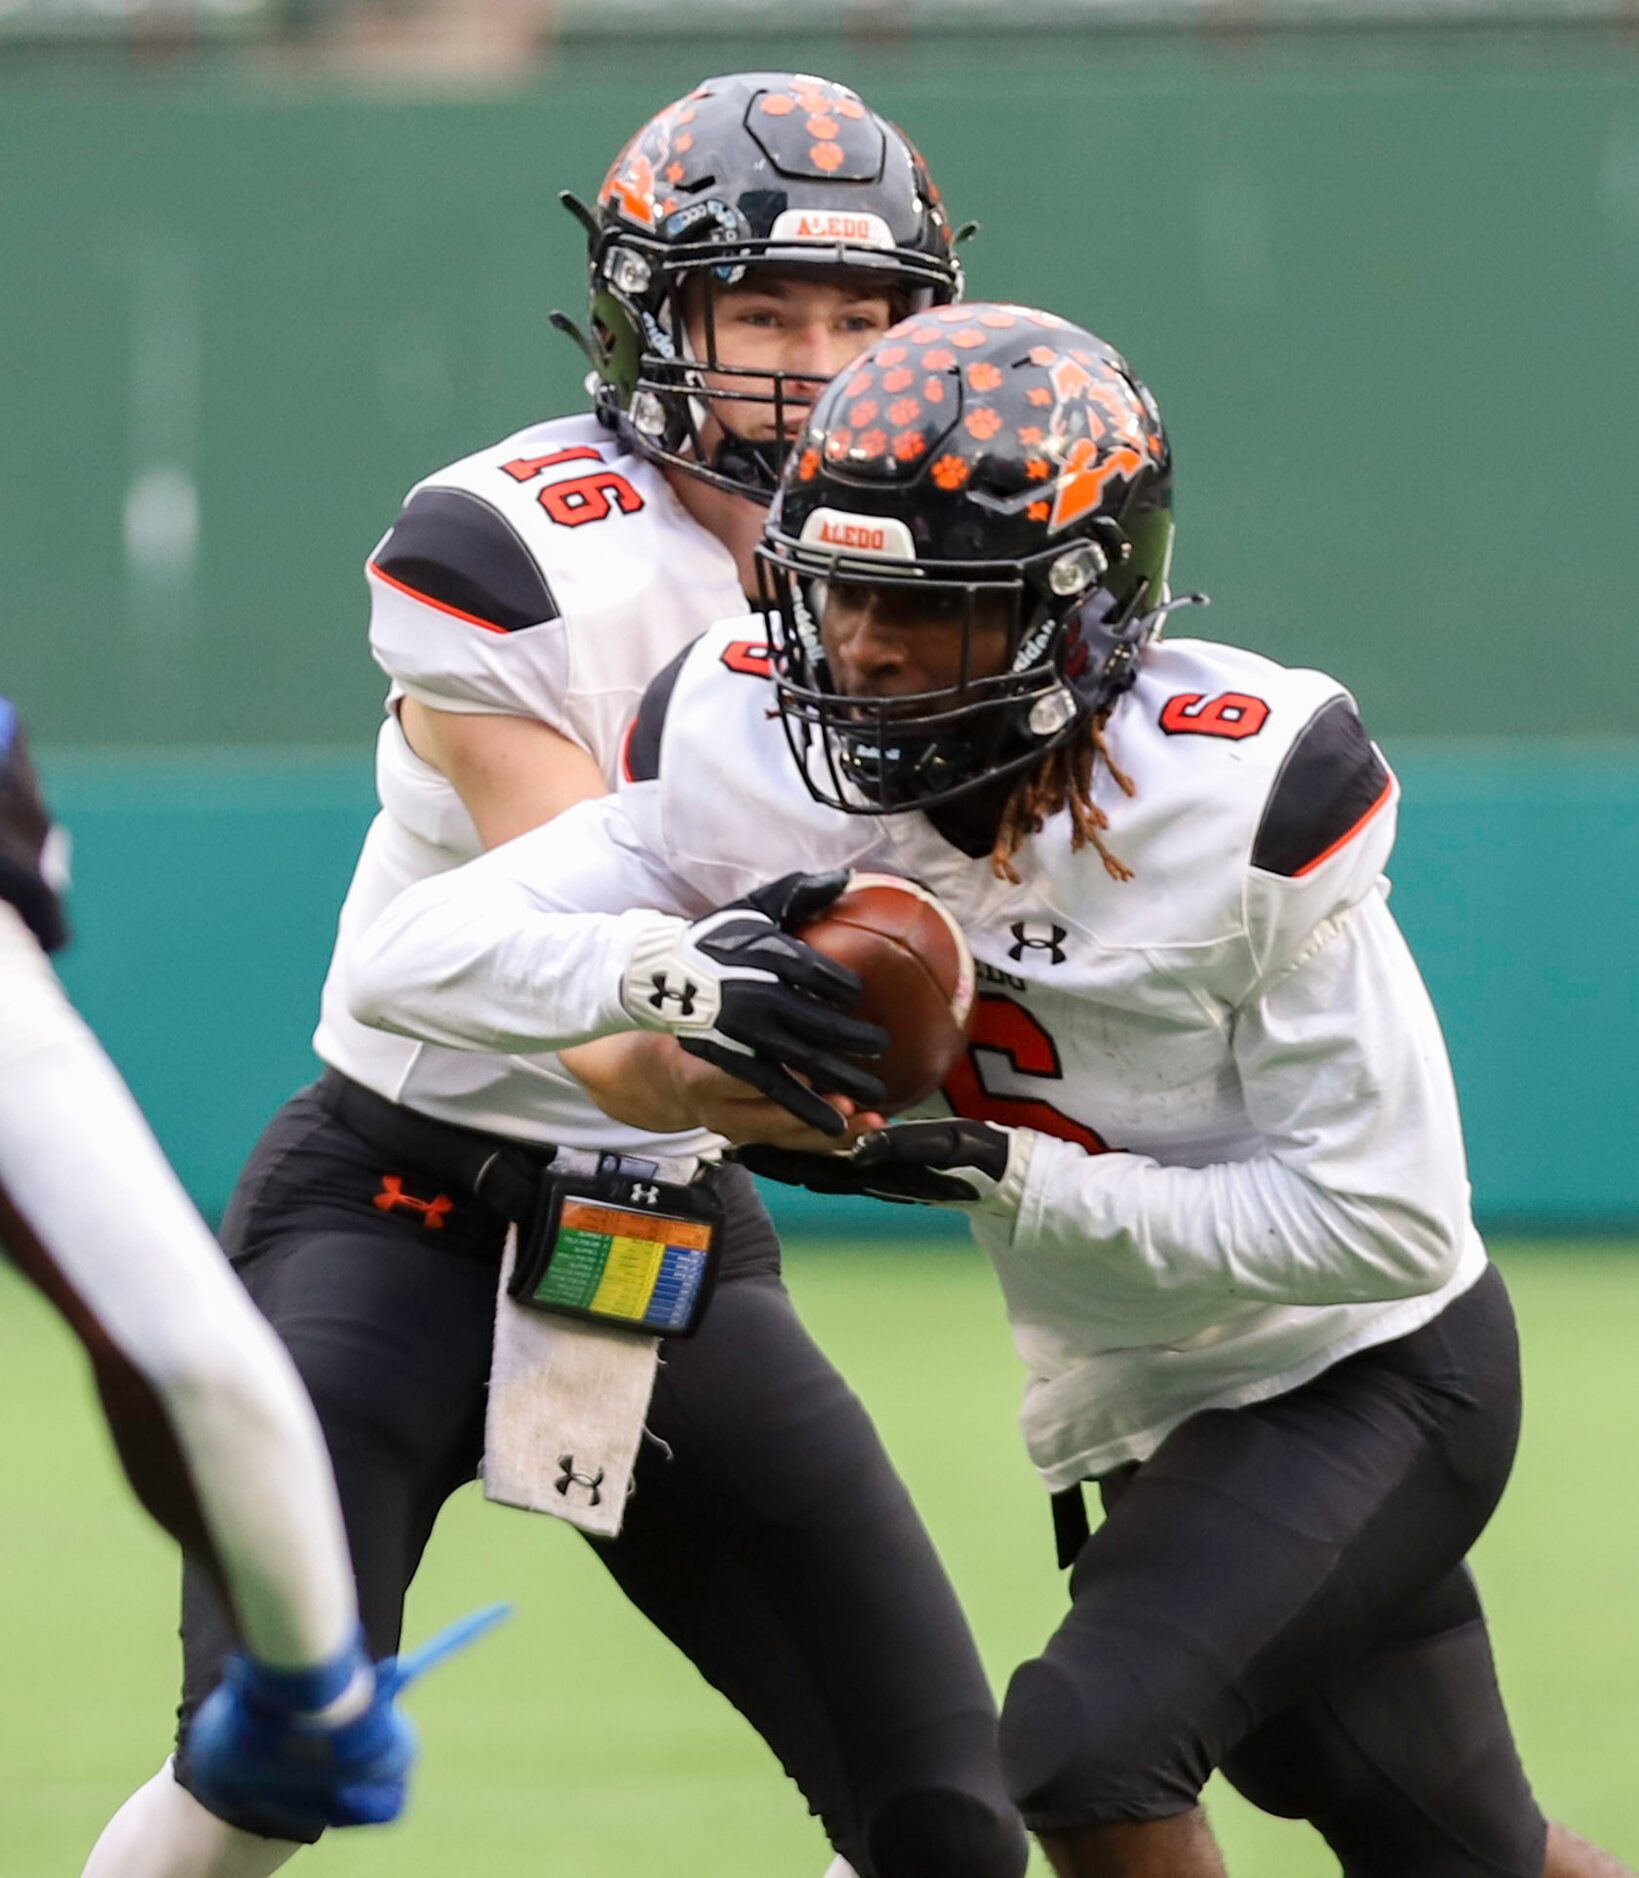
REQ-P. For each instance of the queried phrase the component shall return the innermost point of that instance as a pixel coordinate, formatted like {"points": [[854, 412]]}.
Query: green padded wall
{"points": [[1386, 287]]}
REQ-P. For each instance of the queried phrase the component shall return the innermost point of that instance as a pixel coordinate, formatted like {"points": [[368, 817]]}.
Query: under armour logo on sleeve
{"points": [[1038, 936], [682, 996]]}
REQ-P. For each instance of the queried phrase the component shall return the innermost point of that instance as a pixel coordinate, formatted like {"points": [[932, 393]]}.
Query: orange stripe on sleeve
{"points": [[438, 606], [1348, 834]]}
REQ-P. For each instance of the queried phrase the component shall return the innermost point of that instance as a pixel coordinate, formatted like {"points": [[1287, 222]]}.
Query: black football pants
{"points": [[1279, 1592], [768, 1535]]}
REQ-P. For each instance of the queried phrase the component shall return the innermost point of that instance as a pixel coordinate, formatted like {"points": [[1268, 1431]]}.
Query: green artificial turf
{"points": [[577, 1745]]}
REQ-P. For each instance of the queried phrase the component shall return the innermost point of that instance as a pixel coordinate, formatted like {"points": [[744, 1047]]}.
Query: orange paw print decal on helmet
{"points": [[817, 129], [1043, 419], [950, 472]]}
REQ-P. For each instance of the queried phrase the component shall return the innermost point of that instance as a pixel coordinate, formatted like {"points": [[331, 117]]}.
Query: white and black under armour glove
{"points": [[932, 1163], [738, 989]]}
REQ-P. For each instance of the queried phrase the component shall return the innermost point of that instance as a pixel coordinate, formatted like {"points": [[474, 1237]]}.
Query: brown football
{"points": [[918, 976]]}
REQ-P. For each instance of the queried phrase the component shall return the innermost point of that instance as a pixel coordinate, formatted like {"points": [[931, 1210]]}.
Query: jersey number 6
{"points": [[1233, 714], [1003, 1027]]}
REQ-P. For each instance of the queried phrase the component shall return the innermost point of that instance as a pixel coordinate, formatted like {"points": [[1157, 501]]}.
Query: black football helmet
{"points": [[755, 169], [985, 456]]}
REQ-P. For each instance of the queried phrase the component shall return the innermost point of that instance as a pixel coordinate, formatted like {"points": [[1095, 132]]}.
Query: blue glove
{"points": [[260, 1749]]}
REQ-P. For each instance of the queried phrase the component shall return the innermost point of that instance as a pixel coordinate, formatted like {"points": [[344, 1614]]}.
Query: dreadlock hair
{"points": [[1063, 779]]}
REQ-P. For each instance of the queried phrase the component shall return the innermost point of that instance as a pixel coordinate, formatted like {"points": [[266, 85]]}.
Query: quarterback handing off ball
{"points": [[918, 977]]}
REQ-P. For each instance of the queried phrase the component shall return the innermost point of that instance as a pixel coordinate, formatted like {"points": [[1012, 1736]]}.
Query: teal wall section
{"points": [[207, 888], [1386, 288]]}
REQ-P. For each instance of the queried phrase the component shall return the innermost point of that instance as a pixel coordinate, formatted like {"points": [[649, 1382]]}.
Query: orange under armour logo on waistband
{"points": [[433, 1212]]}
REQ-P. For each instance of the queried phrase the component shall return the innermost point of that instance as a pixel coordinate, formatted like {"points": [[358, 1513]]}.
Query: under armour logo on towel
{"points": [[664, 994], [433, 1212], [569, 1478], [1045, 938], [645, 1196]]}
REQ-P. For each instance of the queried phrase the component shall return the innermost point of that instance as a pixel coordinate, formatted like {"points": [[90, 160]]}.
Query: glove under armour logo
{"points": [[664, 994], [745, 995]]}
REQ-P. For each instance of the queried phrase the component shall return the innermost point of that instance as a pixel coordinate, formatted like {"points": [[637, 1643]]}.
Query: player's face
{"points": [[808, 326], [894, 642]]}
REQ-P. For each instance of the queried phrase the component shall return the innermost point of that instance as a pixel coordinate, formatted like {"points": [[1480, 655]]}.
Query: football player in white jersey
{"points": [[217, 1438], [1206, 1129], [748, 242]]}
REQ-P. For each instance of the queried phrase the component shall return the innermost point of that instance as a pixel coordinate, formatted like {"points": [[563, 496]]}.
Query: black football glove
{"points": [[738, 989], [934, 1163]]}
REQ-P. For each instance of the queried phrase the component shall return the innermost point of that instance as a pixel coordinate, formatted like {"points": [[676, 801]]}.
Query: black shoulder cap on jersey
{"points": [[642, 760], [24, 826], [454, 549], [1330, 780]]}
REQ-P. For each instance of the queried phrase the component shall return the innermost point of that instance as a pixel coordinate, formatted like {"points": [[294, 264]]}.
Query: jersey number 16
{"points": [[572, 500]]}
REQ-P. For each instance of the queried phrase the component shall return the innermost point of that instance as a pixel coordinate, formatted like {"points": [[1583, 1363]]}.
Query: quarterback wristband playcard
{"points": [[647, 1268]]}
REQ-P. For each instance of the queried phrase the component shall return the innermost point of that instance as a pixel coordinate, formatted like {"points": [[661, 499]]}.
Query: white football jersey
{"points": [[549, 576], [1246, 1158]]}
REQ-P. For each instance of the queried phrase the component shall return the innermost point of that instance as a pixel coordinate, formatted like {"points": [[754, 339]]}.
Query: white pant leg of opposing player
{"points": [[86, 1177], [89, 1180]]}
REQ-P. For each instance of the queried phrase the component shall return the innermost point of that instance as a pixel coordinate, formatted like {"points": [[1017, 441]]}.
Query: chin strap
{"points": [[756, 466], [1103, 683]]}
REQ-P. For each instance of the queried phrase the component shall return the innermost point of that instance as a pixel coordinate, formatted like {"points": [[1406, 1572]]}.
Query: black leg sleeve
{"points": [[1405, 1763], [771, 1540]]}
